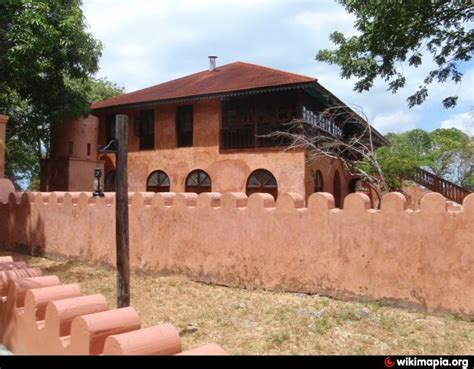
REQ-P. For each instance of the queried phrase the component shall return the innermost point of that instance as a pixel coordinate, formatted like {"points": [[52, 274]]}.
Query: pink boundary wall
{"points": [[41, 316], [423, 258]]}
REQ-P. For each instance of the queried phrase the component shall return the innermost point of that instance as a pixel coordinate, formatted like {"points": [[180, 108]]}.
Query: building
{"points": [[206, 132]]}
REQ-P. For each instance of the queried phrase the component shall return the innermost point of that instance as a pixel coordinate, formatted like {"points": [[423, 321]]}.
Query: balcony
{"points": [[322, 122], [254, 135], [257, 135]]}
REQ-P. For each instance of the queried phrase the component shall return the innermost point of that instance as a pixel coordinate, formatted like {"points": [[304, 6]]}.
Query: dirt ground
{"points": [[267, 322]]}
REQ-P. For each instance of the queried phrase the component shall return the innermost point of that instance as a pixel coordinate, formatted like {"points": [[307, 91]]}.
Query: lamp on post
{"points": [[97, 190], [110, 148], [119, 147]]}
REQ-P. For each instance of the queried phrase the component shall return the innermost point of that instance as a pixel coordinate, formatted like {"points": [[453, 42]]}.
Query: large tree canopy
{"points": [[28, 132], [448, 153], [47, 60], [393, 33], [42, 43]]}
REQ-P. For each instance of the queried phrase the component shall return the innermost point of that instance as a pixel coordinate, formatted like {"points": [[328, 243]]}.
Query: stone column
{"points": [[3, 128]]}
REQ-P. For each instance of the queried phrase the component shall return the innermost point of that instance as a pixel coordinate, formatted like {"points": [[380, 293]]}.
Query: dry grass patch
{"points": [[265, 322]]}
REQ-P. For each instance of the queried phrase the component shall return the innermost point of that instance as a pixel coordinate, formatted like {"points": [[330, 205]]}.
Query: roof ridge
{"points": [[275, 70], [162, 83], [233, 76]]}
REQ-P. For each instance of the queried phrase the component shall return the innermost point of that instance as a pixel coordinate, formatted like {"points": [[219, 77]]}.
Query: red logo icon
{"points": [[388, 363]]}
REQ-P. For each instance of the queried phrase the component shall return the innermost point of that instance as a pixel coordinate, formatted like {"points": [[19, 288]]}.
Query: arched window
{"points": [[337, 190], [318, 182], [262, 180], [109, 181], [198, 181], [158, 181]]}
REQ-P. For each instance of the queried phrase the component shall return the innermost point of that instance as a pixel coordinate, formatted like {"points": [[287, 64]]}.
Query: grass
{"points": [[265, 322]]}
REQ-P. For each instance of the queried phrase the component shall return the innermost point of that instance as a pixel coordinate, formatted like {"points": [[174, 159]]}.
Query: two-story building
{"points": [[206, 132]]}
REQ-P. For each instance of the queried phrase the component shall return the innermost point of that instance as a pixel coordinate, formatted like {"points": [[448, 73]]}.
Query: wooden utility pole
{"points": [[121, 212]]}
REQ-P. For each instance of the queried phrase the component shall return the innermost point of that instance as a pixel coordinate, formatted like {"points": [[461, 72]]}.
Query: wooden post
{"points": [[121, 212]]}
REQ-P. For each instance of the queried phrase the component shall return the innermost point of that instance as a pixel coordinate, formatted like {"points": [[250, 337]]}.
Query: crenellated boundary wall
{"points": [[422, 258]]}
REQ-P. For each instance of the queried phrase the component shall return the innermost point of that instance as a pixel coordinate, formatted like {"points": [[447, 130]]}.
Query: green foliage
{"points": [[28, 131], [41, 44], [448, 153], [47, 60], [393, 32]]}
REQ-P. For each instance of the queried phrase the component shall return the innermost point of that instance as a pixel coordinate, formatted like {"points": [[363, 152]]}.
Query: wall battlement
{"points": [[423, 258], [41, 316]]}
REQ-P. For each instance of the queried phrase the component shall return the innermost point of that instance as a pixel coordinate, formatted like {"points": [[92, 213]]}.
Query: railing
{"points": [[446, 188], [322, 121], [255, 135]]}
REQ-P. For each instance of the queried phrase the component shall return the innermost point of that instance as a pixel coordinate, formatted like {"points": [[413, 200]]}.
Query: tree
{"points": [[355, 147], [47, 60], [383, 166], [28, 132], [394, 32], [448, 153]]}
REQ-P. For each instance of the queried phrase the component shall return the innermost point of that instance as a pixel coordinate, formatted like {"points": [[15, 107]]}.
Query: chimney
{"points": [[212, 62]]}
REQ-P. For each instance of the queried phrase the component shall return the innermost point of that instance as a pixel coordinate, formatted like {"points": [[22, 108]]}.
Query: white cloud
{"points": [[324, 20], [395, 122], [148, 42], [463, 122]]}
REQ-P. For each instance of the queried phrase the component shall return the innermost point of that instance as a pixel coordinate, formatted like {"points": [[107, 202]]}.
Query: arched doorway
{"points": [[109, 181], [337, 189], [158, 181], [262, 181], [198, 181], [318, 181]]}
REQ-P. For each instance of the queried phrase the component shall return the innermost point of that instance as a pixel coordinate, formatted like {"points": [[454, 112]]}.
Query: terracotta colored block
{"points": [[12, 265], [209, 200], [17, 288], [14, 306], [433, 203], [261, 201], [30, 322], [231, 200], [37, 299], [59, 314], [89, 332], [185, 199], [394, 202], [6, 259], [6, 276], [321, 202], [290, 201], [58, 320], [163, 199], [210, 349], [356, 203], [157, 340]]}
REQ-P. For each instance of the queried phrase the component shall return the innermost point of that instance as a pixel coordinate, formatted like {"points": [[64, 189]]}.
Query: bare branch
{"points": [[339, 133]]}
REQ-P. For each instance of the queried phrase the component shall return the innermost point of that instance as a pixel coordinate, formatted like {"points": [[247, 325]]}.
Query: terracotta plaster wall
{"points": [[81, 174], [423, 258], [228, 169], [414, 193], [80, 132], [328, 167]]}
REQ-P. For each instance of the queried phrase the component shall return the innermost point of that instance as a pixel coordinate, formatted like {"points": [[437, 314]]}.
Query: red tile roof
{"points": [[232, 77]]}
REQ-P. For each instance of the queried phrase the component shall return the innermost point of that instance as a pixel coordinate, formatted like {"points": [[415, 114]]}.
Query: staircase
{"points": [[446, 188]]}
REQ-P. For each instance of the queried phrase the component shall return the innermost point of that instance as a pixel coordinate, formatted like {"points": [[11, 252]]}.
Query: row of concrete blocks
{"points": [[320, 201], [41, 316]]}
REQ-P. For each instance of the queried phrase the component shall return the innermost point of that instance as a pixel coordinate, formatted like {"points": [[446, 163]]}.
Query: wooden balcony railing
{"points": [[446, 188], [255, 135]]}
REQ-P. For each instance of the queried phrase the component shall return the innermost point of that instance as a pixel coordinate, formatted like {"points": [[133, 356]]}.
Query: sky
{"points": [[147, 42]]}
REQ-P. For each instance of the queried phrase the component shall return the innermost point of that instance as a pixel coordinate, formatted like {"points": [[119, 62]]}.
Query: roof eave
{"points": [[185, 99], [379, 136]]}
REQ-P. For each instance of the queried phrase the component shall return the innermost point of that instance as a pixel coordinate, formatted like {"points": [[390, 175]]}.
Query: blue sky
{"points": [[147, 42]]}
